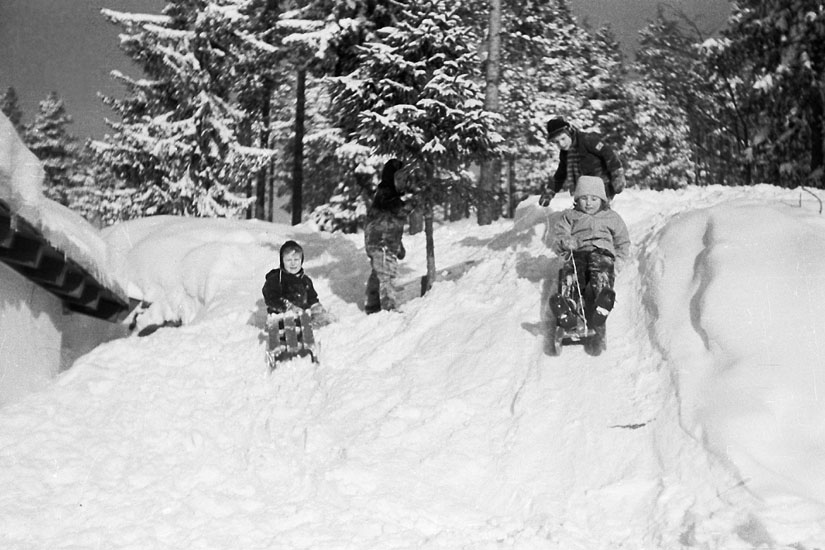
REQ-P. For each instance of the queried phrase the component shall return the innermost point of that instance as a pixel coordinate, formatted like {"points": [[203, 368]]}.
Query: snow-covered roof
{"points": [[49, 243]]}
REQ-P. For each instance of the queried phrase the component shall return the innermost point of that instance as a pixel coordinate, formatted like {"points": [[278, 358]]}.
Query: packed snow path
{"points": [[445, 426]]}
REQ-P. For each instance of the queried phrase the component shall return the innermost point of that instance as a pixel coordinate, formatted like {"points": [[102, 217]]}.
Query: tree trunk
{"points": [[428, 237], [817, 164], [262, 176], [245, 138], [298, 154], [511, 187], [490, 170]]}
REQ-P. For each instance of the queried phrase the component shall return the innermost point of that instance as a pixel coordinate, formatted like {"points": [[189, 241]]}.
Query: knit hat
{"points": [[590, 185], [387, 196], [555, 126]]}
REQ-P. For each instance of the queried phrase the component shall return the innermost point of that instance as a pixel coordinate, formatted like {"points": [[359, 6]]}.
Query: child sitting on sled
{"points": [[597, 241], [289, 289]]}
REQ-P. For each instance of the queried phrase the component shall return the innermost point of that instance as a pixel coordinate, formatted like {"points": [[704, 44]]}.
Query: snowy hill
{"points": [[447, 425]]}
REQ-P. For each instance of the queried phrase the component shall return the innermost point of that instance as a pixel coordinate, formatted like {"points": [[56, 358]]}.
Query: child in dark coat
{"points": [[288, 288], [382, 239], [581, 154]]}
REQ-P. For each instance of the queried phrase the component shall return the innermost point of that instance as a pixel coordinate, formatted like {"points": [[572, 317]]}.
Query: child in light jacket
{"points": [[598, 240]]}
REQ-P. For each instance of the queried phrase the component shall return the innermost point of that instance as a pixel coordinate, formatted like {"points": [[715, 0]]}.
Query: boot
{"points": [[565, 316], [603, 306]]}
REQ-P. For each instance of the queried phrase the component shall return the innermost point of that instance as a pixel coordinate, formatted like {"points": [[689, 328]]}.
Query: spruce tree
{"points": [[783, 42], [49, 139], [413, 97], [177, 146], [9, 105], [324, 36]]}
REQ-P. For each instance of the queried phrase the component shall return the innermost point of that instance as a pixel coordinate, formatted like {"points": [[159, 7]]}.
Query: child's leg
{"points": [[581, 259], [373, 303], [601, 272], [385, 267]]}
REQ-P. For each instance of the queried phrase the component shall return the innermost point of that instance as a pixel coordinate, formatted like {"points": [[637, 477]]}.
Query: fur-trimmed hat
{"points": [[555, 126], [590, 185]]}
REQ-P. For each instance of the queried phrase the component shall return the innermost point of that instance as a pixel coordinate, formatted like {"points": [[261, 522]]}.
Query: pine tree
{"points": [[261, 76], [177, 146], [9, 105], [656, 151], [49, 139], [683, 69], [535, 38], [325, 37], [783, 42], [413, 97]]}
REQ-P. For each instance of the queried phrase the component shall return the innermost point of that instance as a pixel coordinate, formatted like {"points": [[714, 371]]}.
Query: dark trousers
{"points": [[596, 271]]}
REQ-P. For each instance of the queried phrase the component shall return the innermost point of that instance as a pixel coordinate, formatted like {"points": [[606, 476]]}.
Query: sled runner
{"points": [[289, 335], [570, 308]]}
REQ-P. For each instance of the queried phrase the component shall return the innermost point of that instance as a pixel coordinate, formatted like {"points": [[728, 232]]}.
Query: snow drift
{"points": [[447, 425]]}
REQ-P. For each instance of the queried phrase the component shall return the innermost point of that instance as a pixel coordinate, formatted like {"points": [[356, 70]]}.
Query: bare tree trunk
{"points": [[490, 170], [511, 187], [245, 138], [262, 177], [817, 164], [428, 237], [298, 154]]}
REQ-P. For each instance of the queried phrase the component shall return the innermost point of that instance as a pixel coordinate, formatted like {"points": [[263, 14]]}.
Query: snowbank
{"points": [[447, 425]]}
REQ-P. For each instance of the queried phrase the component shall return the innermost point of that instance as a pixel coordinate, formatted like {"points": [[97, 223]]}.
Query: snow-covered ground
{"points": [[447, 425]]}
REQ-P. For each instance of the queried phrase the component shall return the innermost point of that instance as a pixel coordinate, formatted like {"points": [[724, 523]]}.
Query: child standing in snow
{"points": [[382, 238], [288, 288], [597, 239]]}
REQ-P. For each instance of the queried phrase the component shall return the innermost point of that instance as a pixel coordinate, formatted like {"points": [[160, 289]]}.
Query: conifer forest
{"points": [[236, 108]]}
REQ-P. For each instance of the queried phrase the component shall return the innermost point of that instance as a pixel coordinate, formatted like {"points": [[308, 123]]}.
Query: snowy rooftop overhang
{"points": [[26, 250], [48, 243]]}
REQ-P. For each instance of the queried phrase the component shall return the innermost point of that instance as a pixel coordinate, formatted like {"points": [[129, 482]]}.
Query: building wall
{"points": [[30, 338], [38, 339]]}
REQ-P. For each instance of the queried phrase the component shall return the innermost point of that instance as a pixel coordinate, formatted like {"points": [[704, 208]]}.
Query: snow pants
{"points": [[596, 271], [381, 291]]}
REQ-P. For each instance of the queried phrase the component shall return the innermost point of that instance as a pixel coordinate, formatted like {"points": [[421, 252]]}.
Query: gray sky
{"points": [[66, 46], [626, 17]]}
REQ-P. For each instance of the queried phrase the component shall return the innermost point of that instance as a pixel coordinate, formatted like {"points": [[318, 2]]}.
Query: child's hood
{"points": [[286, 247]]}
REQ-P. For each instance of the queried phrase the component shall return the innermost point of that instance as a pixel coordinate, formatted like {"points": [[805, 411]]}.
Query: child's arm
{"points": [[563, 239], [273, 296], [312, 295], [621, 243]]}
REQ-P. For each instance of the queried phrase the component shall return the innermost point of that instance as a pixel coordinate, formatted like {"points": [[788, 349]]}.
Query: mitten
{"points": [[546, 197], [567, 243], [320, 316]]}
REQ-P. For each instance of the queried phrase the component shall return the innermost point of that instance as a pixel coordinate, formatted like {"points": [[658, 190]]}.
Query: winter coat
{"points": [[605, 230], [386, 215], [595, 158], [283, 288]]}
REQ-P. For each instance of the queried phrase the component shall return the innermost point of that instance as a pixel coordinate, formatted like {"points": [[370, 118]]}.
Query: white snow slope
{"points": [[447, 426]]}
